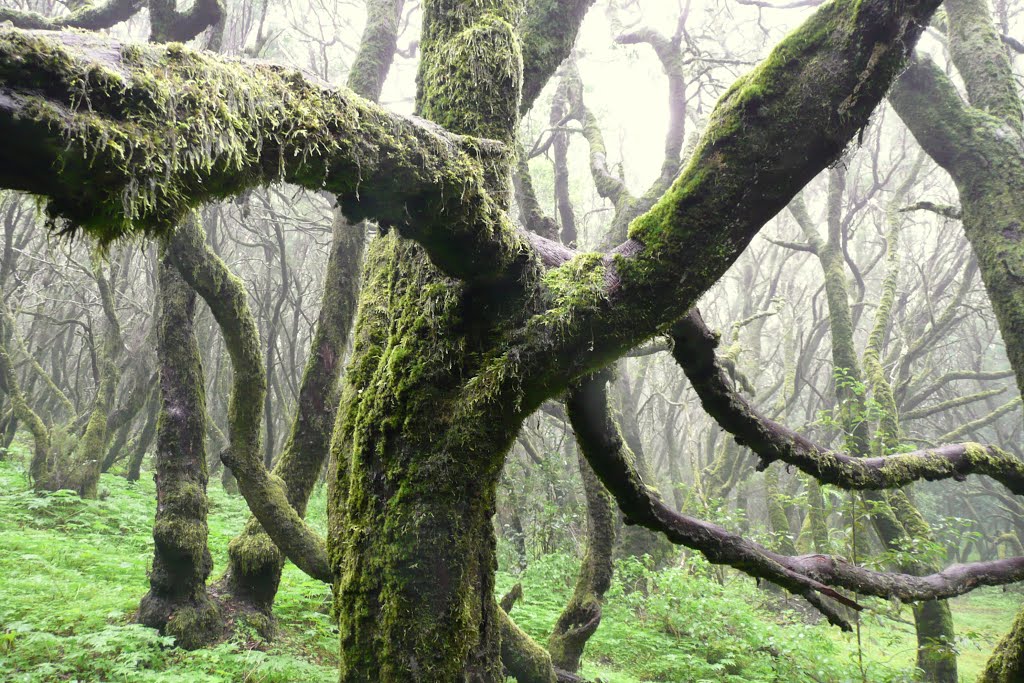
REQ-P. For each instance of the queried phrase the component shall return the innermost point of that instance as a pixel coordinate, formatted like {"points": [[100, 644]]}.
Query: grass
{"points": [[681, 625], [72, 573]]}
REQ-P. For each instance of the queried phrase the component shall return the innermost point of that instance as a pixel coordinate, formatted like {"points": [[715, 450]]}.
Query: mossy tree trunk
{"points": [[420, 441], [78, 467], [582, 614], [141, 443], [1007, 662], [977, 143], [417, 459], [255, 563], [177, 602], [21, 411]]}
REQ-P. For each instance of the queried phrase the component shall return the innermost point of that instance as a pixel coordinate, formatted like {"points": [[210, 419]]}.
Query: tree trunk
{"points": [[582, 615], [142, 443], [255, 566], [412, 493], [254, 572], [1007, 662], [177, 602]]}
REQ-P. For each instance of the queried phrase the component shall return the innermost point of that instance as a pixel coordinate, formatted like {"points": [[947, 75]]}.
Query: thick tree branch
{"points": [[127, 138], [825, 79], [548, 31], [88, 17], [981, 59], [167, 23]]}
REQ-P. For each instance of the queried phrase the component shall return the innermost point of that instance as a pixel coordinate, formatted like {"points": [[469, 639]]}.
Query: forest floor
{"points": [[72, 573]]}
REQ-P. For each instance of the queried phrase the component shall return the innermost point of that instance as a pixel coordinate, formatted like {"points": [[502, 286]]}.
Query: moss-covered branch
{"points": [[825, 79], [88, 16], [548, 32], [803, 574], [124, 139], [266, 494], [168, 24], [979, 150], [256, 563], [694, 350]]}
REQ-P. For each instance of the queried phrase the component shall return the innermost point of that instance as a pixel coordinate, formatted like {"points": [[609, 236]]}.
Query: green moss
{"points": [[1007, 662]]}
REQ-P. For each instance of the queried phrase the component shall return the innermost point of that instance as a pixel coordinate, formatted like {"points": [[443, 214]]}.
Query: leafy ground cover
{"points": [[72, 573]]}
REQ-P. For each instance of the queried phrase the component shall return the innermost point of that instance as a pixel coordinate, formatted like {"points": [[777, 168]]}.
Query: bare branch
{"points": [[952, 212]]}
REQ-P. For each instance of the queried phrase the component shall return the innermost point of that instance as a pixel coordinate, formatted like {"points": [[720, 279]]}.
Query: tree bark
{"points": [[177, 602]]}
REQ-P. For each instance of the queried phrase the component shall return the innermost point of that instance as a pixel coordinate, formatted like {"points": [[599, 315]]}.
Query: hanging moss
{"points": [[156, 130]]}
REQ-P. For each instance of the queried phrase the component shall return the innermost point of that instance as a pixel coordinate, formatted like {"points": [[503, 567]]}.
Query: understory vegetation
{"points": [[72, 571]]}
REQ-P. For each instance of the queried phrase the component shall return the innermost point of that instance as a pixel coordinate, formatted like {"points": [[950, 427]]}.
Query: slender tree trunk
{"points": [[582, 615], [177, 602], [142, 443], [892, 511], [254, 570]]}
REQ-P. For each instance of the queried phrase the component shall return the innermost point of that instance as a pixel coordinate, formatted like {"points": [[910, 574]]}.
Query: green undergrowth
{"points": [[72, 573], [680, 625]]}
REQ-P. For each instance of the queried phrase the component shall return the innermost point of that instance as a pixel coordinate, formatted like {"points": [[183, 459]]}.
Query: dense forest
{"points": [[512, 340]]}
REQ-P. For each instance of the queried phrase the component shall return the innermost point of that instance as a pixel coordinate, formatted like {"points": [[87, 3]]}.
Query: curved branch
{"points": [[265, 493], [88, 17], [604, 448], [612, 462], [694, 350], [167, 23]]}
